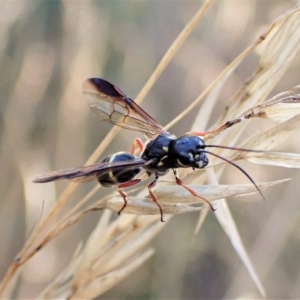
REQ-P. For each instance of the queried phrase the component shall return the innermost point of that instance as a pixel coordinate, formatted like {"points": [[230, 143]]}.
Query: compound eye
{"points": [[185, 160]]}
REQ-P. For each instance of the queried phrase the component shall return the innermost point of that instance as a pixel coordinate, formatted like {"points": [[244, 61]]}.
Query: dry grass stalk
{"points": [[114, 249], [281, 45]]}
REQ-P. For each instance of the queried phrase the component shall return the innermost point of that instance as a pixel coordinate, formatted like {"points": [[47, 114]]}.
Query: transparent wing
{"points": [[87, 173], [110, 104]]}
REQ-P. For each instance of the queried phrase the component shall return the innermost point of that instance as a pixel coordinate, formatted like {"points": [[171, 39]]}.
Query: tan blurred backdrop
{"points": [[47, 49]]}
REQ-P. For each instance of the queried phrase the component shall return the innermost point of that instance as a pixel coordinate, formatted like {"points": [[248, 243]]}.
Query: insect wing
{"points": [[110, 104], [58, 175], [87, 173]]}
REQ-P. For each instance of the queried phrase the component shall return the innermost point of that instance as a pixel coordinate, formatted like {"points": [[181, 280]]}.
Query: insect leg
{"points": [[220, 129], [153, 196], [123, 194], [137, 142], [203, 133], [179, 182]]}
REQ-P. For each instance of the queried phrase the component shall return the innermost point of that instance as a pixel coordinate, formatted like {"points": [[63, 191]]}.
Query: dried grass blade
{"points": [[280, 108], [284, 34], [278, 159], [103, 284], [282, 44], [59, 287], [176, 194], [107, 252], [173, 50], [175, 199], [133, 245], [282, 41], [273, 137], [138, 206], [227, 222]]}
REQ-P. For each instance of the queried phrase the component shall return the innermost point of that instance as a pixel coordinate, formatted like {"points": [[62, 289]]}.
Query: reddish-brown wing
{"points": [[110, 104], [87, 173]]}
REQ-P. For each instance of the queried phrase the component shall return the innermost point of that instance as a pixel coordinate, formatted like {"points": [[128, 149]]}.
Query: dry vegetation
{"points": [[53, 243]]}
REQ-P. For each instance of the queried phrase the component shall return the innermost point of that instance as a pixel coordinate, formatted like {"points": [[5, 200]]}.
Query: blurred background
{"points": [[47, 49]]}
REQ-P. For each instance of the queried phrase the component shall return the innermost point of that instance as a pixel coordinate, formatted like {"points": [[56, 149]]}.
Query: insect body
{"points": [[170, 153], [118, 169], [115, 169], [165, 151], [118, 176], [162, 153]]}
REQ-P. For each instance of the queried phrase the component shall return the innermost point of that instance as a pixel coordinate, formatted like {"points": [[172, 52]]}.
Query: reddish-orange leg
{"points": [[123, 194], [214, 132], [179, 182], [154, 198], [137, 142], [223, 127], [203, 133]]}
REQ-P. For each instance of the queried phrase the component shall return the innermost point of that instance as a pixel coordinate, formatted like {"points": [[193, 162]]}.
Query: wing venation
{"points": [[110, 104]]}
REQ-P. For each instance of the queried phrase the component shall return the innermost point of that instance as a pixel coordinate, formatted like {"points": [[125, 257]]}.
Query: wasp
{"points": [[163, 152]]}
